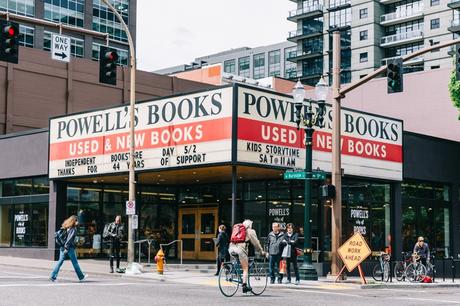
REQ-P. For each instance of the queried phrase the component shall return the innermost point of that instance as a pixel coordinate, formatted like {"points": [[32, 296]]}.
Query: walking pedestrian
{"points": [[275, 248], [290, 254], [222, 245], [69, 226], [115, 232]]}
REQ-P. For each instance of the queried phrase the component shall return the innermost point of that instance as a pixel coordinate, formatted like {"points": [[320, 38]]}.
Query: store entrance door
{"points": [[197, 228]]}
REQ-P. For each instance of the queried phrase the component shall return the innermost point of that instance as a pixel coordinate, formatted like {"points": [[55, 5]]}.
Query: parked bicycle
{"points": [[400, 266], [416, 271], [231, 276], [381, 271]]}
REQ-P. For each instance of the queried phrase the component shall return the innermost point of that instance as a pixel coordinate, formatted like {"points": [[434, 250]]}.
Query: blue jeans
{"points": [[73, 258], [273, 265]]}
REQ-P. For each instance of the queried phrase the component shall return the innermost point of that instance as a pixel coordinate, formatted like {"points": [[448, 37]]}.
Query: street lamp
{"points": [[132, 101], [308, 120]]}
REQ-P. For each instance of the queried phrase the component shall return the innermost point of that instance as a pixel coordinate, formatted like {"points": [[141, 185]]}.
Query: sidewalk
{"points": [[101, 268]]}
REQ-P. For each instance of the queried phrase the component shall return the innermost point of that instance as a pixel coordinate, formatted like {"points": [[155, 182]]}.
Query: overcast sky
{"points": [[175, 32]]}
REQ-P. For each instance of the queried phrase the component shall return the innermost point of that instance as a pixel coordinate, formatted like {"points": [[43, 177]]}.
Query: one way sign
{"points": [[60, 48]]}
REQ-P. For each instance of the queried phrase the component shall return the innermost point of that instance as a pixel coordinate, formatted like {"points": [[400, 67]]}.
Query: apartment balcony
{"points": [[414, 61], [306, 12], [388, 1], [301, 55], [454, 26], [454, 4], [294, 36], [402, 16], [401, 38], [338, 5]]}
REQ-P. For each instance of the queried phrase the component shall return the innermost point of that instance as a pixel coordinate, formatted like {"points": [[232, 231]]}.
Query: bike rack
{"points": [[174, 241]]}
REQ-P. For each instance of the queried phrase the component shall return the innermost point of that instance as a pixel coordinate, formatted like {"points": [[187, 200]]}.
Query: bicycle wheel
{"points": [[377, 273], [399, 271], [229, 279], [386, 272], [415, 272], [258, 278]]}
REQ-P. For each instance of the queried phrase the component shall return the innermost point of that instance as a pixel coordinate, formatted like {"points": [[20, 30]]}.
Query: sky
{"points": [[175, 32]]}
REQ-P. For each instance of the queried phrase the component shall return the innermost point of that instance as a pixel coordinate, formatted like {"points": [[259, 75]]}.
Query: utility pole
{"points": [[336, 211], [132, 102]]}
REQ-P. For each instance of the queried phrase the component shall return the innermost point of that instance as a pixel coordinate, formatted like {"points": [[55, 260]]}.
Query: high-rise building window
{"points": [[312, 26], [363, 57], [363, 13], [20, 7], [290, 68], [77, 46], [259, 66], [122, 54], [243, 67], [229, 66], [434, 2], [26, 37], [363, 35], [341, 18], [336, 3], [106, 22], [65, 11], [415, 25], [313, 45], [435, 23], [274, 63]]}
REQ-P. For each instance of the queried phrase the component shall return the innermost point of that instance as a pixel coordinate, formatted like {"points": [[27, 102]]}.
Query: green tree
{"points": [[454, 90]]}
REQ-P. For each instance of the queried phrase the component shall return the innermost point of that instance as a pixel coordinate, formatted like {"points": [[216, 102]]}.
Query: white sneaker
{"points": [[85, 277]]}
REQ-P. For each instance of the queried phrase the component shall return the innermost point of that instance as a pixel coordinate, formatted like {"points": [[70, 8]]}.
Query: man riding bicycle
{"points": [[422, 249], [240, 250]]}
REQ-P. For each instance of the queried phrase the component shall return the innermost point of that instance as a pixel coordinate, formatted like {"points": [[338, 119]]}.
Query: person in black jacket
{"points": [[222, 244], [290, 241], [68, 249], [115, 232]]}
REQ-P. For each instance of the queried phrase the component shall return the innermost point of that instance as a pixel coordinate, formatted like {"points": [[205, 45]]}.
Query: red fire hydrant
{"points": [[160, 260]]}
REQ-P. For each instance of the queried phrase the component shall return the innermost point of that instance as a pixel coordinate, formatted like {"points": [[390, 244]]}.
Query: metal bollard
{"points": [[443, 268], [452, 267], [434, 268], [391, 269]]}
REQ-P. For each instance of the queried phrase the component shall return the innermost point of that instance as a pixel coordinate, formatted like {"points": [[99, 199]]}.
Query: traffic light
{"points": [[108, 66], [457, 61], [395, 75], [9, 51]]}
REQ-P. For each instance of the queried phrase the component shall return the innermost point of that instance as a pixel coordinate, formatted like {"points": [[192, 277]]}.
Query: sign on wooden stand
{"points": [[353, 252]]}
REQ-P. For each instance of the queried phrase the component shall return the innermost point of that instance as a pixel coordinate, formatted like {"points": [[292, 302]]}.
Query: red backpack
{"points": [[238, 233]]}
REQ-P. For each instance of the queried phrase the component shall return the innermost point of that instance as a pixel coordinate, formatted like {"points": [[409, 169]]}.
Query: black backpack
{"points": [[60, 237]]}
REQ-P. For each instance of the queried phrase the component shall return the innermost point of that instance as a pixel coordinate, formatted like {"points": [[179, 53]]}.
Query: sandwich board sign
{"points": [[353, 252], [60, 48]]}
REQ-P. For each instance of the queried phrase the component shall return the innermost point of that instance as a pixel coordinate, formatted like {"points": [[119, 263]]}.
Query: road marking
{"points": [[425, 300], [324, 292], [74, 284]]}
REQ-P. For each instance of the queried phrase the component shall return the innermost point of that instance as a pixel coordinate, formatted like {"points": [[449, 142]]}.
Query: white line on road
{"points": [[75, 284], [324, 292], [425, 300]]}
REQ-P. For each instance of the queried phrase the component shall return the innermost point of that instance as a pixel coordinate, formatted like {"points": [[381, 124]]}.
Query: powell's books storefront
{"points": [[205, 157]]}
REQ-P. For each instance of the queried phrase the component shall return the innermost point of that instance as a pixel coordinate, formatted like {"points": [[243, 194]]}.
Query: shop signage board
{"points": [[359, 217], [279, 212], [130, 207], [371, 145], [60, 48], [354, 251], [186, 130]]}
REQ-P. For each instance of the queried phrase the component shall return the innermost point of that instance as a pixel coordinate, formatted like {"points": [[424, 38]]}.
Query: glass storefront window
{"points": [[6, 219], [30, 227]]}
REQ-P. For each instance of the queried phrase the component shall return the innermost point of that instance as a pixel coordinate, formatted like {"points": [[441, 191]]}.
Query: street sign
{"points": [[294, 175], [135, 221], [130, 207], [60, 48], [301, 175], [354, 251]]}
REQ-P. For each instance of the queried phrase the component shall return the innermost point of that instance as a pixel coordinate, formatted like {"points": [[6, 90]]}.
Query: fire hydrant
{"points": [[160, 260]]}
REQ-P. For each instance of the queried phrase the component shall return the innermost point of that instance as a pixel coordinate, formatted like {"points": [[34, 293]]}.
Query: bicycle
{"points": [[231, 276], [415, 271], [400, 266], [381, 271]]}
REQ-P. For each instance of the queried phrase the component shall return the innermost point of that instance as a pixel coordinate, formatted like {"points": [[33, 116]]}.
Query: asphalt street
{"points": [[20, 286]]}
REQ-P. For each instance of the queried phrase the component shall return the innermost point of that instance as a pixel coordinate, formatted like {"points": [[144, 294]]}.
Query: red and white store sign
{"points": [[268, 135], [187, 130]]}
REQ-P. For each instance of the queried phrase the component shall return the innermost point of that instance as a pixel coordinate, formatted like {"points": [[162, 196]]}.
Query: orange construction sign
{"points": [[354, 251]]}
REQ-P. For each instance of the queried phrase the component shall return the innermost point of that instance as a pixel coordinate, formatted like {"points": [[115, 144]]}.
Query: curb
{"points": [[408, 286]]}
